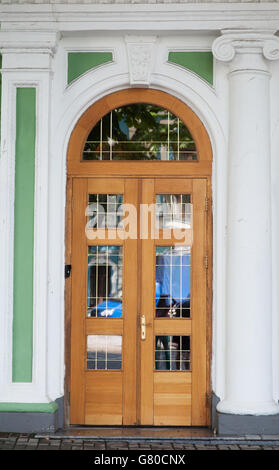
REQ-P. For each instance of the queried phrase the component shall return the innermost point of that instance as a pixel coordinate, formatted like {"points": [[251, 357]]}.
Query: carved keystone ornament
{"points": [[140, 50]]}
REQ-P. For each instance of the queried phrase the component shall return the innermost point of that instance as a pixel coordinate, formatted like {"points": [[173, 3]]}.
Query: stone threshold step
{"points": [[248, 440]]}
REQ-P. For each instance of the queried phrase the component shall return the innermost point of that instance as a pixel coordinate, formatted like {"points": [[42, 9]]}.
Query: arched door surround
{"points": [[138, 366]]}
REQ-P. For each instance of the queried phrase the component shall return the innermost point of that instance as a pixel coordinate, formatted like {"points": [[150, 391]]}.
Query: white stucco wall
{"points": [[37, 53], [112, 77]]}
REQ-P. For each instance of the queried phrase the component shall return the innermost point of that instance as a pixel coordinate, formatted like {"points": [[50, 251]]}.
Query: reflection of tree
{"points": [[138, 132]]}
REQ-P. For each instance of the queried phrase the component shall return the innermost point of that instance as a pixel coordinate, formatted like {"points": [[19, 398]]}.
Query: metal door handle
{"points": [[143, 327]]}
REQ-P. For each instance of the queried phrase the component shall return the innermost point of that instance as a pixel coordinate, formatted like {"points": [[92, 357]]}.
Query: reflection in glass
{"points": [[173, 211], [104, 210], [104, 352], [172, 352], [173, 281], [104, 281], [140, 132]]}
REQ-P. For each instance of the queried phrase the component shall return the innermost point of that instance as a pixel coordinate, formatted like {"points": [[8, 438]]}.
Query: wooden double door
{"points": [[138, 302]]}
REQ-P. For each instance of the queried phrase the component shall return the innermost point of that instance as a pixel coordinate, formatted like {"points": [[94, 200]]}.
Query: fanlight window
{"points": [[140, 132]]}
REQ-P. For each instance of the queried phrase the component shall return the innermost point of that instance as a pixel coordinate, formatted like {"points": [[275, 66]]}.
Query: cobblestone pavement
{"points": [[13, 441]]}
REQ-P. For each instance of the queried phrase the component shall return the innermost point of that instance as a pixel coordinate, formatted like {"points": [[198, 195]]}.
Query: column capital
{"points": [[27, 50], [29, 41], [246, 41]]}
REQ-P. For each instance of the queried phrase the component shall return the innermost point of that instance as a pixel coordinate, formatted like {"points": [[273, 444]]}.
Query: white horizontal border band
{"points": [[161, 16]]}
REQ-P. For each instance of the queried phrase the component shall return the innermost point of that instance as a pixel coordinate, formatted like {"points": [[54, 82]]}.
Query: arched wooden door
{"points": [[139, 245]]}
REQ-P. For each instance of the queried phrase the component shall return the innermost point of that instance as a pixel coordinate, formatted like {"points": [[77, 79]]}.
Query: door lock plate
{"points": [[143, 327]]}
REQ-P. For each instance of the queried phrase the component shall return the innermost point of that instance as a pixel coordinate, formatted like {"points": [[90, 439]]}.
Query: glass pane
{"points": [[140, 132], [173, 281], [105, 210], [173, 211], [104, 281], [172, 353], [104, 352]]}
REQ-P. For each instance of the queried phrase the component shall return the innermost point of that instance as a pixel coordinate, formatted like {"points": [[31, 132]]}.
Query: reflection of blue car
{"points": [[112, 308], [173, 273]]}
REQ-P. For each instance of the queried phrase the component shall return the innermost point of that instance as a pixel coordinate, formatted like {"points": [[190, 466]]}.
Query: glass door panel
{"points": [[173, 281], [104, 328], [174, 307], [105, 272], [138, 330]]}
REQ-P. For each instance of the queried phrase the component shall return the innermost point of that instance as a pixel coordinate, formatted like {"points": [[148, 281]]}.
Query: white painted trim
{"points": [[35, 391], [67, 85], [248, 408], [192, 43], [249, 295], [274, 131], [204, 101], [65, 106], [194, 73], [7, 168], [85, 49], [144, 17]]}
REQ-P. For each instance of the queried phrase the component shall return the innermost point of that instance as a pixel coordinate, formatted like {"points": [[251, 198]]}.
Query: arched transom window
{"points": [[140, 132]]}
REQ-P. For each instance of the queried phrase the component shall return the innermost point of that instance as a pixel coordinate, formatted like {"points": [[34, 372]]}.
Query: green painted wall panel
{"points": [[0, 92], [28, 407], [81, 62], [24, 234], [199, 62]]}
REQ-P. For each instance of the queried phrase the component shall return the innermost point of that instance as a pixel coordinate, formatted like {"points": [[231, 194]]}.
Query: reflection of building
{"points": [[104, 277], [173, 211], [173, 273], [58, 60], [172, 353]]}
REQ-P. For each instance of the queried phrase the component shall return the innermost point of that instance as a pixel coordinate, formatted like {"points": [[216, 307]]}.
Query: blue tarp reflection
{"points": [[172, 286]]}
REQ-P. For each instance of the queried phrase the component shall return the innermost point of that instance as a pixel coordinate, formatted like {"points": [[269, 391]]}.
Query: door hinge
{"points": [[206, 203], [206, 261], [68, 269], [208, 399]]}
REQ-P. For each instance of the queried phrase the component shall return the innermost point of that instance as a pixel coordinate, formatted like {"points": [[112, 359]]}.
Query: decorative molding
{"points": [[136, 17], [126, 2], [31, 42], [140, 52], [198, 62], [35, 391], [81, 62], [225, 47], [271, 49]]}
